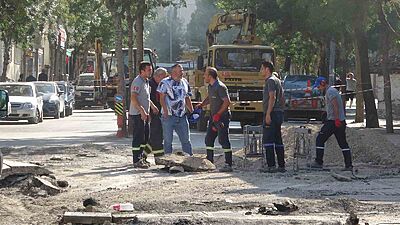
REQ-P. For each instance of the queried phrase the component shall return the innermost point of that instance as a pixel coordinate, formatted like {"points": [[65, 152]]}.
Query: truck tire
{"points": [[202, 123]]}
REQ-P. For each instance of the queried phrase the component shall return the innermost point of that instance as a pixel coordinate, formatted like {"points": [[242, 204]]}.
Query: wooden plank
{"points": [[86, 217]]}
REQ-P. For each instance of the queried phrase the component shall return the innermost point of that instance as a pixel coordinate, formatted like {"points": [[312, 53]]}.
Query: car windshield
{"points": [[241, 59], [61, 87], [18, 90], [298, 81], [86, 81], [45, 88]]}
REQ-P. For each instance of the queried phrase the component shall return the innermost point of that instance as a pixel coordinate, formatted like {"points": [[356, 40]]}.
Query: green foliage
{"points": [[158, 36]]}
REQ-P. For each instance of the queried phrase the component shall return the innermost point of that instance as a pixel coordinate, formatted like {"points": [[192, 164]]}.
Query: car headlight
{"points": [[28, 105]]}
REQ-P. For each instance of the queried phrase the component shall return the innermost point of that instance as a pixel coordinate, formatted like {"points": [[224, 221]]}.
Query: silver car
{"points": [[26, 104]]}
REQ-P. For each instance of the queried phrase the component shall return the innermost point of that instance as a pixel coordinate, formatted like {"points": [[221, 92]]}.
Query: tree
{"points": [[14, 27], [158, 35]]}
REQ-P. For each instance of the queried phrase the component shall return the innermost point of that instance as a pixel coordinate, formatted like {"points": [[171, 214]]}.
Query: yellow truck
{"points": [[238, 66]]}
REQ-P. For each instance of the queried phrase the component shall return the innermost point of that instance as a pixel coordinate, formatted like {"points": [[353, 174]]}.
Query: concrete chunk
{"points": [[18, 168], [46, 185], [189, 163]]}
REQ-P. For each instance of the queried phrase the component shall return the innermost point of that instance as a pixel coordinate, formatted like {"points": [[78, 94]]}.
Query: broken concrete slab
{"points": [[86, 217], [19, 168], [46, 185], [189, 163], [176, 169]]}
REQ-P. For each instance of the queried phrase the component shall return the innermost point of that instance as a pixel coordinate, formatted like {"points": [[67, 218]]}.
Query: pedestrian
{"points": [[175, 103], [351, 85], [218, 124], [43, 76], [156, 135], [273, 102], [334, 124], [31, 78], [21, 78], [139, 113]]}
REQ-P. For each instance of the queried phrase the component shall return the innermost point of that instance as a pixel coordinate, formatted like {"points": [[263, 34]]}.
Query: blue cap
{"points": [[318, 81], [195, 116]]}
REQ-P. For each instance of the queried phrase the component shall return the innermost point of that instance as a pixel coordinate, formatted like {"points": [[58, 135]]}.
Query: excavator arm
{"points": [[237, 18]]}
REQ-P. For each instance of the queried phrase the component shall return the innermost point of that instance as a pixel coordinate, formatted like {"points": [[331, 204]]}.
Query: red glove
{"points": [[338, 123], [216, 117]]}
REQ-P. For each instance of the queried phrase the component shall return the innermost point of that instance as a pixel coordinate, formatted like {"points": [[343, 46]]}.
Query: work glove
{"points": [[338, 123], [216, 117]]}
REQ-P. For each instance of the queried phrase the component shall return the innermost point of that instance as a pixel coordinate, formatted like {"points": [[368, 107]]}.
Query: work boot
{"points": [[269, 169], [227, 168], [280, 156], [314, 165], [347, 159], [210, 155], [141, 164], [348, 168], [281, 169]]}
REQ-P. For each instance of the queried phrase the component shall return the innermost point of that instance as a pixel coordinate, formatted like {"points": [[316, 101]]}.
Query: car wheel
{"points": [[36, 119], [57, 114], [41, 117]]}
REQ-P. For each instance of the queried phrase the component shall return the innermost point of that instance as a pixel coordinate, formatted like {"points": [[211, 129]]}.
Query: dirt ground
{"points": [[104, 173]]}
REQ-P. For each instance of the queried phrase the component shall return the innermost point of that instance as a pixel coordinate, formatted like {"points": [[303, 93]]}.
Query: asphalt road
{"points": [[96, 126]]}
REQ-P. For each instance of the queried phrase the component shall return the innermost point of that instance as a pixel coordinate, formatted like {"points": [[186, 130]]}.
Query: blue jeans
{"points": [[181, 127]]}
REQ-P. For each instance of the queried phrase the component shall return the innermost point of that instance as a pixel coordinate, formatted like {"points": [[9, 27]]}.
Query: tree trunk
{"points": [[323, 65], [36, 63], [359, 96], [55, 71], [113, 7], [6, 57], [385, 47], [59, 61], [368, 94], [141, 8], [129, 19]]}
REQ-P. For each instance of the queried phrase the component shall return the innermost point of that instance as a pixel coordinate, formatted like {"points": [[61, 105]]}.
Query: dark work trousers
{"points": [[272, 140], [140, 137], [327, 130], [156, 135], [223, 138]]}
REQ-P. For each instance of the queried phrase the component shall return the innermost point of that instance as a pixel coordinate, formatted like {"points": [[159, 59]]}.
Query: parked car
{"points": [[301, 102], [26, 103], [89, 94], [4, 111], [53, 99], [69, 96]]}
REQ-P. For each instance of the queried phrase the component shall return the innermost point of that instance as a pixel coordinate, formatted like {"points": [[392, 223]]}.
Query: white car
{"points": [[53, 98], [26, 104]]}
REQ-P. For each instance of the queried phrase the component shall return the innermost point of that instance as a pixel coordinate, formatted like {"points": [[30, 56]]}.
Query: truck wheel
{"points": [[202, 123]]}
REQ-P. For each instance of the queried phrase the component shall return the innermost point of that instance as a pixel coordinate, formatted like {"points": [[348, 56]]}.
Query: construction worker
{"points": [[334, 124], [155, 144], [218, 124], [139, 112], [273, 102]]}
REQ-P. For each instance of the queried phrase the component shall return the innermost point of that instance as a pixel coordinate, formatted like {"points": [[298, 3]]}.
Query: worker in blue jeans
{"points": [[175, 103]]}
